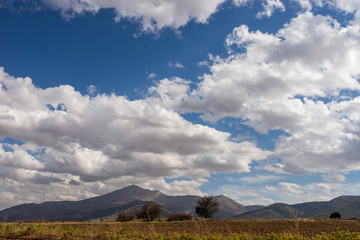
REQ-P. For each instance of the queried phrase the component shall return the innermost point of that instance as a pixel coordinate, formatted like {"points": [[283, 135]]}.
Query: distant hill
{"points": [[129, 199], [347, 206]]}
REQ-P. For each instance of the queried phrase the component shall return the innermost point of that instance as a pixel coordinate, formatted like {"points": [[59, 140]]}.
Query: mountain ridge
{"points": [[130, 199], [347, 206]]}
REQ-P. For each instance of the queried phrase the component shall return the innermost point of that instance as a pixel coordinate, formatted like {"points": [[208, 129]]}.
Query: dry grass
{"points": [[194, 229]]}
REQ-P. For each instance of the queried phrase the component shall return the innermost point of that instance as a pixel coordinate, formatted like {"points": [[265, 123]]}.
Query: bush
{"points": [[149, 212], [335, 215], [123, 217], [207, 207], [179, 217]]}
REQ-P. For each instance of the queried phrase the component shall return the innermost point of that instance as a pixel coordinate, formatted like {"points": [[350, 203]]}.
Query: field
{"points": [[194, 229]]}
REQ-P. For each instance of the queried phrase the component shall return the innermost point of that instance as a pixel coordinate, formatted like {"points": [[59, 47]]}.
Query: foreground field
{"points": [[194, 229]]}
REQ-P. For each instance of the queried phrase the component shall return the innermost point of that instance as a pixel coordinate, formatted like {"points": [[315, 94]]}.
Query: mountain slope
{"points": [[347, 206], [228, 208], [129, 199], [274, 211], [119, 200]]}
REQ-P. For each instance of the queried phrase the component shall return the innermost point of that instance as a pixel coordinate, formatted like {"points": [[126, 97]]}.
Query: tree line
{"points": [[206, 207]]}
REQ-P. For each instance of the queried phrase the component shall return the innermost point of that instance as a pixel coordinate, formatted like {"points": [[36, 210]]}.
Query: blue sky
{"points": [[255, 99]]}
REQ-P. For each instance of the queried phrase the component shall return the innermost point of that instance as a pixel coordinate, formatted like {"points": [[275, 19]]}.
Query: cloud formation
{"points": [[153, 15], [269, 7], [71, 137], [286, 192], [304, 80]]}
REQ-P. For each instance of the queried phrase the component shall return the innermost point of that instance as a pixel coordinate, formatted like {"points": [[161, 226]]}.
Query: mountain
{"points": [[347, 206], [228, 208], [120, 200], [274, 211], [129, 199]]}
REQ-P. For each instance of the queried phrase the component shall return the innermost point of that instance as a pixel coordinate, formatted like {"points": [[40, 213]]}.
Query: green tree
{"points": [[179, 217], [149, 211], [206, 207], [123, 217], [335, 215]]}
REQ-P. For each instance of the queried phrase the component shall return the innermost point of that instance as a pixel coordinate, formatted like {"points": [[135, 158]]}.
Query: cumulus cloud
{"points": [[246, 195], [333, 177], [348, 6], [305, 4], [343, 5], [74, 139], [302, 79], [153, 15], [260, 179], [269, 7], [240, 3], [286, 192]]}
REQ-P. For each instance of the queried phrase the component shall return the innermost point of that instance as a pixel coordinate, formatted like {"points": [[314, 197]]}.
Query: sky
{"points": [[258, 100]]}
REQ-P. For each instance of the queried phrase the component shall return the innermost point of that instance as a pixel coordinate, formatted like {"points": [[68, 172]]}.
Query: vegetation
{"points": [[202, 229], [123, 217], [335, 215], [179, 217], [149, 212], [207, 207]]}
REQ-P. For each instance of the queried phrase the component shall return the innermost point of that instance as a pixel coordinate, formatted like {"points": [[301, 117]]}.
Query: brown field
{"points": [[194, 229]]}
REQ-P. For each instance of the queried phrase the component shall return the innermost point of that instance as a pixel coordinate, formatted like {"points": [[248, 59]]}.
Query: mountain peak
{"points": [[132, 187]]}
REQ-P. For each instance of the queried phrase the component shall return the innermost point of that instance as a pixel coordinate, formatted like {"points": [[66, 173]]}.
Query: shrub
{"points": [[207, 207], [123, 217], [335, 215], [149, 212], [179, 217]]}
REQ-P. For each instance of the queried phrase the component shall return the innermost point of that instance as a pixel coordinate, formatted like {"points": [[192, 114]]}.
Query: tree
{"points": [[149, 211], [179, 217], [207, 207], [123, 217], [335, 215]]}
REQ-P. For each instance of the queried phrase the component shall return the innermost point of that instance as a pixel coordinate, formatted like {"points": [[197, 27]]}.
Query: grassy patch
{"points": [[193, 229]]}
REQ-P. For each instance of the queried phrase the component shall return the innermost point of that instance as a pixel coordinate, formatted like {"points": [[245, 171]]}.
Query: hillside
{"points": [[129, 199], [347, 206]]}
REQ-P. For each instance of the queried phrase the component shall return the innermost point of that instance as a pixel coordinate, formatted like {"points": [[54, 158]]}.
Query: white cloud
{"points": [[182, 187], [260, 179], [305, 4], [287, 192], [203, 63], [295, 80], [152, 75], [269, 7], [348, 6], [295, 193], [240, 3], [153, 15], [333, 177], [105, 137], [17, 157], [91, 90], [175, 65], [343, 5], [246, 195]]}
